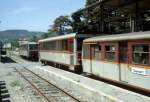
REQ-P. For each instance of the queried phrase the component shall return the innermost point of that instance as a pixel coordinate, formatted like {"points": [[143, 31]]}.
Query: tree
{"points": [[34, 39], [89, 2], [87, 21], [100, 18], [15, 44], [43, 36], [61, 24]]}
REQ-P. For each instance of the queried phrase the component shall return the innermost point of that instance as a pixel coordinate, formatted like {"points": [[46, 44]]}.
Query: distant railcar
{"points": [[63, 51], [3, 51], [29, 50], [121, 58]]}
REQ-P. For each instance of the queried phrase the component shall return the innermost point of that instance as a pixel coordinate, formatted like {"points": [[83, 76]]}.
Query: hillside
{"points": [[10, 35]]}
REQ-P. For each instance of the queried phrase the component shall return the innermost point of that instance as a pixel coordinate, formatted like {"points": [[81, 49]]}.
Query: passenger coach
{"points": [[62, 51], [29, 50], [121, 57]]}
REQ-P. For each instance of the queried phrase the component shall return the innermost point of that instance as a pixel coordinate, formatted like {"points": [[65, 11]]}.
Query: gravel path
{"points": [[18, 89]]}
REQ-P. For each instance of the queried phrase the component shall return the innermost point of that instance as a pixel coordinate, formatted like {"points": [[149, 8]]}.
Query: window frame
{"points": [[131, 43], [70, 45], [93, 46], [89, 54], [115, 44]]}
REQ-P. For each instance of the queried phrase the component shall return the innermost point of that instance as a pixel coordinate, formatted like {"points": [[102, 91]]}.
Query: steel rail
{"points": [[40, 92], [33, 86], [54, 85]]}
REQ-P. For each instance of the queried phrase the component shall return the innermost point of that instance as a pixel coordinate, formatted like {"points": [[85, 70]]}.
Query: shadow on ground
{"points": [[4, 95], [7, 60]]}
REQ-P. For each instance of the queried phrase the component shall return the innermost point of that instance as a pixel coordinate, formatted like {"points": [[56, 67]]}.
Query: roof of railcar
{"points": [[120, 37], [58, 37], [29, 43], [66, 36]]}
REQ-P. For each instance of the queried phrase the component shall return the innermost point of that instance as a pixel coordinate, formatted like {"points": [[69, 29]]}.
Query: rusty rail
{"points": [[50, 84]]}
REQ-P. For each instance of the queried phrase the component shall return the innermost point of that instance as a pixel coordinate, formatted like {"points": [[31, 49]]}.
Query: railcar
{"points": [[122, 58], [3, 52], [29, 50], [62, 51]]}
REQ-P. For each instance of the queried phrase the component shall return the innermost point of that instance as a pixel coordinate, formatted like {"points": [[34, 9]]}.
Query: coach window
{"points": [[86, 51], [64, 45], [58, 45], [70, 45], [140, 54], [110, 52], [96, 52]]}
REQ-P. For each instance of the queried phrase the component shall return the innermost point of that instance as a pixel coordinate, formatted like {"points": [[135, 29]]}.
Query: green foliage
{"points": [[15, 44], [50, 33], [15, 83], [87, 21], [60, 23], [89, 2], [11, 35], [100, 19], [34, 39], [43, 36]]}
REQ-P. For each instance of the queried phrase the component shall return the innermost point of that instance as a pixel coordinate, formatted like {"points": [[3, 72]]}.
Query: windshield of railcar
{"points": [[33, 46]]}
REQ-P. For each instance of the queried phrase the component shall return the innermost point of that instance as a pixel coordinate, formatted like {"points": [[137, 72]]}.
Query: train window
{"points": [[96, 52], [59, 45], [64, 45], [110, 52], [71, 45], [140, 54], [86, 51]]}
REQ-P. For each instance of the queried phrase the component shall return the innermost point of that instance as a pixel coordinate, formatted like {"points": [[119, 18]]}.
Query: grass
{"points": [[15, 83]]}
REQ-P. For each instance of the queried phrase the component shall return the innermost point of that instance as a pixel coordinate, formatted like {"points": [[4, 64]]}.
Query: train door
{"points": [[123, 60], [96, 67]]}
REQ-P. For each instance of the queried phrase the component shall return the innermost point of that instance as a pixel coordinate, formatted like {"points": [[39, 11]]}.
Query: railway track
{"points": [[118, 84], [48, 91]]}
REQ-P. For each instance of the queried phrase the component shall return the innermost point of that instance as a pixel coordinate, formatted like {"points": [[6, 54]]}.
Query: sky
{"points": [[35, 15]]}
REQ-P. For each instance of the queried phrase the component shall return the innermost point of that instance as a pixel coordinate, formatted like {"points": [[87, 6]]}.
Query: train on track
{"points": [[3, 52], [29, 50], [63, 51], [122, 58]]}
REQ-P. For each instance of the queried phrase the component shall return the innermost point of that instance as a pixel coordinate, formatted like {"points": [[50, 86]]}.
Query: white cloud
{"points": [[22, 10]]}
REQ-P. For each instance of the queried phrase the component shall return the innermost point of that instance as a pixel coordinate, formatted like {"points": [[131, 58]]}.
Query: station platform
{"points": [[90, 90]]}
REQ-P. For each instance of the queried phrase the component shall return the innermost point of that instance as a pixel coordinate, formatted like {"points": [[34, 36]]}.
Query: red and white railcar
{"points": [[29, 50], [62, 51], [121, 57]]}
